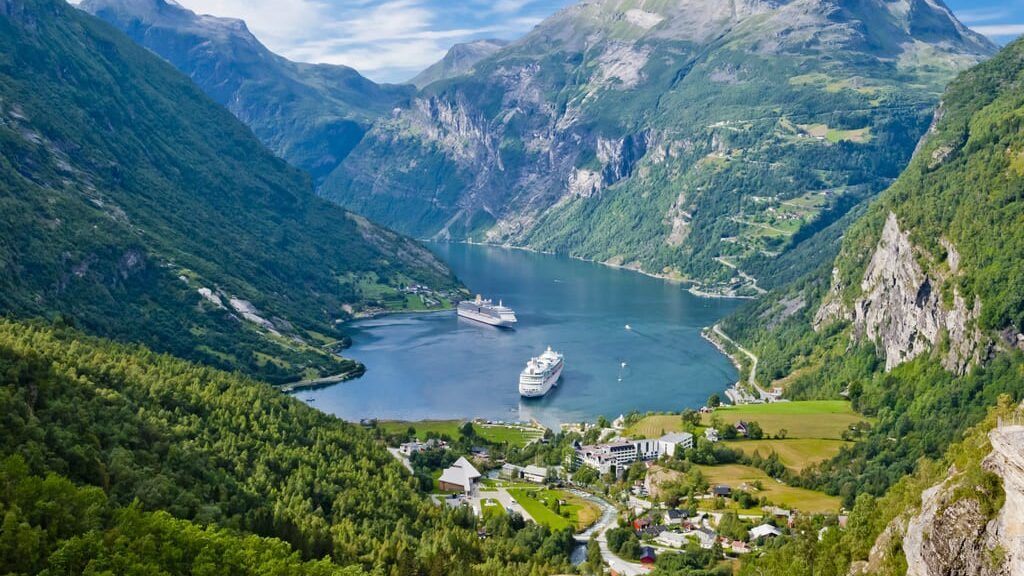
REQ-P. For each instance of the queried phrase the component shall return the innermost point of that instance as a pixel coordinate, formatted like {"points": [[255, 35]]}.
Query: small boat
{"points": [[628, 327]]}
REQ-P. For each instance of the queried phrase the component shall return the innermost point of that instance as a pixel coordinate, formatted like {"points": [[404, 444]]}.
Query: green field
{"points": [[578, 513], [795, 453], [497, 433], [655, 426], [812, 419], [734, 475]]}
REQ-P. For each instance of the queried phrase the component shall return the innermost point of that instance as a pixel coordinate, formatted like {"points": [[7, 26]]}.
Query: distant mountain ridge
{"points": [[667, 136], [694, 139], [137, 208], [459, 60], [309, 114]]}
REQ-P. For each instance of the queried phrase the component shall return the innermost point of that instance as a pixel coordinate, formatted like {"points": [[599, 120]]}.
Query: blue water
{"points": [[426, 366]]}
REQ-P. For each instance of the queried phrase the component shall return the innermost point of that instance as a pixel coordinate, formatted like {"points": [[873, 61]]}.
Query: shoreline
{"points": [[689, 286]]}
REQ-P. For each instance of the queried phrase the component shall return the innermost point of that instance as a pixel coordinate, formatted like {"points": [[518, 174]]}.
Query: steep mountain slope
{"points": [[919, 322], [140, 209], [666, 135], [144, 436], [311, 115], [459, 60]]}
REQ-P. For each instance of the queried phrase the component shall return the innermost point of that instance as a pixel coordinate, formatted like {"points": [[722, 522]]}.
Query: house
{"points": [[673, 539], [711, 434], [706, 410], [739, 547], [619, 423], [721, 490], [461, 476], [536, 474], [675, 517], [510, 472], [764, 531], [706, 537], [741, 428], [639, 524], [647, 555], [668, 443]]}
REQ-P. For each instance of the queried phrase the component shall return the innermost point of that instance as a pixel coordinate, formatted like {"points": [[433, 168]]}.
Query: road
{"points": [[752, 379], [609, 514], [402, 459]]}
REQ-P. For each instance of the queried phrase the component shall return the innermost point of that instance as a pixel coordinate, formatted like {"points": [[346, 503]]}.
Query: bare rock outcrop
{"points": [[900, 305], [952, 536]]}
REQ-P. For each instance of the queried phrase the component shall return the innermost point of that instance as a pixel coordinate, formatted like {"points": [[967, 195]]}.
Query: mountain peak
{"points": [[459, 60]]}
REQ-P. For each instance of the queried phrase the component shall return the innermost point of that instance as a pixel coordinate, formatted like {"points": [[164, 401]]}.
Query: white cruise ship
{"points": [[485, 311], [541, 374]]}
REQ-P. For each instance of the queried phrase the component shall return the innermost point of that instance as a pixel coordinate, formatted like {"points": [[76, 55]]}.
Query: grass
{"points": [[517, 436], [795, 453], [577, 513], [655, 426], [734, 475], [811, 419]]}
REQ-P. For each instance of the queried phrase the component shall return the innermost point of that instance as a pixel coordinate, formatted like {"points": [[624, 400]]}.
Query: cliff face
{"points": [[900, 306], [952, 536]]}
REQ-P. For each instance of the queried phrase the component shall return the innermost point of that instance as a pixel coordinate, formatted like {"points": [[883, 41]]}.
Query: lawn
{"points": [[796, 453], [577, 513], [655, 426], [777, 493], [812, 419], [497, 433]]}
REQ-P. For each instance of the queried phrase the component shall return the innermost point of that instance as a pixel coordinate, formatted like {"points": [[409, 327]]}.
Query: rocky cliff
{"points": [[900, 305], [953, 535]]}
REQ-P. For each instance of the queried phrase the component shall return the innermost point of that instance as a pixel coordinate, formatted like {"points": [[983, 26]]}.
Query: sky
{"points": [[392, 40]]}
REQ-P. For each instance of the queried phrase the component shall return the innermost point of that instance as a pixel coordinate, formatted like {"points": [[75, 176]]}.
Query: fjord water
{"points": [[439, 366]]}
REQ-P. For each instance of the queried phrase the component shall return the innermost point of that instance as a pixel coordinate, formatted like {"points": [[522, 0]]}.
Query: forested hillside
{"points": [[919, 321], [312, 115], [102, 444], [139, 209]]}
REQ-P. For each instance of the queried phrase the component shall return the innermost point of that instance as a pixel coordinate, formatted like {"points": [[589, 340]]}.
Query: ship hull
{"points": [[485, 319], [535, 391]]}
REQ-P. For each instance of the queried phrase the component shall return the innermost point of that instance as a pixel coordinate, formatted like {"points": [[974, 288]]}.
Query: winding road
{"points": [[752, 379], [608, 517]]}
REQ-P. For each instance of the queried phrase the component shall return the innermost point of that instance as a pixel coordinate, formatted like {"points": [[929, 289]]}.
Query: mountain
{"points": [[919, 321], [117, 460], [685, 138], [309, 114], [137, 208], [459, 60]]}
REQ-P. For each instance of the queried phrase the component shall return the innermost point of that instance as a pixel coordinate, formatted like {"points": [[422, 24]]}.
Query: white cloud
{"points": [[1000, 29], [389, 40]]}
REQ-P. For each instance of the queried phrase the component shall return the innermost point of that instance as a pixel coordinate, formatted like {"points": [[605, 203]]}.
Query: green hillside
{"points": [[102, 444], [126, 191], [925, 338]]}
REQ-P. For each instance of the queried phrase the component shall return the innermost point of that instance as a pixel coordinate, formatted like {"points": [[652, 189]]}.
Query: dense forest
{"points": [[124, 191], [131, 445]]}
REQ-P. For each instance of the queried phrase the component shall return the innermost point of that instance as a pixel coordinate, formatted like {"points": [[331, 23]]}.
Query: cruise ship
{"points": [[485, 311], [541, 374]]}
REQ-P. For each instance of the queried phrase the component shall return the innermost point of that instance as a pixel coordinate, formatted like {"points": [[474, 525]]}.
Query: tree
{"points": [[602, 422], [691, 418], [714, 401], [754, 431], [595, 563], [467, 430]]}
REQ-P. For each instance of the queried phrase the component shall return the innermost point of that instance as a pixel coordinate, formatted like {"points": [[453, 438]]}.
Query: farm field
{"points": [[795, 453], [811, 419], [735, 475]]}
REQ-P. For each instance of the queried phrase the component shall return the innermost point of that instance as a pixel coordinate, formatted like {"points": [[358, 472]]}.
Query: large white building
{"points": [[603, 457]]}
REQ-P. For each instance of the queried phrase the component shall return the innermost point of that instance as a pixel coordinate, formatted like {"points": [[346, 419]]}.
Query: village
{"points": [[709, 484]]}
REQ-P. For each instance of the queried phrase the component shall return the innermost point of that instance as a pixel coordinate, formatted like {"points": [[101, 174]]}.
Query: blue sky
{"points": [[392, 40]]}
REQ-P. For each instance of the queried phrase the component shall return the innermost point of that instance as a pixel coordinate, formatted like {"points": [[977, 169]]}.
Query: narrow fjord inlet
{"points": [[428, 366]]}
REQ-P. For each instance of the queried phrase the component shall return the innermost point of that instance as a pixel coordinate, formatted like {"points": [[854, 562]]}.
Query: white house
{"points": [[711, 434], [537, 474], [460, 476], [619, 454], [672, 539], [763, 531]]}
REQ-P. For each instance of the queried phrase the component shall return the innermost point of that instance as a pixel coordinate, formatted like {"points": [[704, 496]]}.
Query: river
{"points": [[438, 366]]}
